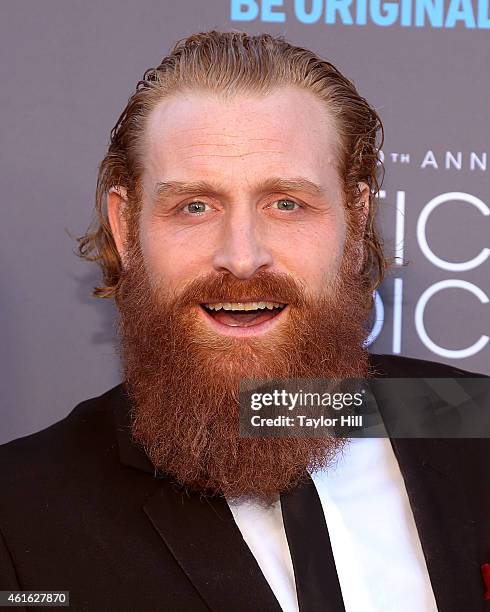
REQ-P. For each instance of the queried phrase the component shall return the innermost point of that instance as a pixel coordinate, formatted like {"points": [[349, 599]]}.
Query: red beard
{"points": [[183, 378]]}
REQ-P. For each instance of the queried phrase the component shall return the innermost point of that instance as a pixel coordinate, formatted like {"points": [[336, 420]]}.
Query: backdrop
{"points": [[67, 69]]}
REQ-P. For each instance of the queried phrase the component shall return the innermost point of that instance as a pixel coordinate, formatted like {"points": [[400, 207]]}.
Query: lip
{"points": [[243, 332]]}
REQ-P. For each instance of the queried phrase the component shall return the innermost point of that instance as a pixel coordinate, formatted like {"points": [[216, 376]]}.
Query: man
{"points": [[235, 230]]}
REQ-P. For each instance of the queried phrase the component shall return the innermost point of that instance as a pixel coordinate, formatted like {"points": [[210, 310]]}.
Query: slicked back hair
{"points": [[231, 63]]}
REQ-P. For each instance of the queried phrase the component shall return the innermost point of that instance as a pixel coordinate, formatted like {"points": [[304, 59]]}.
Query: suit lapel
{"points": [[200, 532], [207, 544], [431, 469], [445, 526]]}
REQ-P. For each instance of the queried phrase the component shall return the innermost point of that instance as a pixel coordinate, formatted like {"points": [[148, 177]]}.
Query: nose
{"points": [[241, 249]]}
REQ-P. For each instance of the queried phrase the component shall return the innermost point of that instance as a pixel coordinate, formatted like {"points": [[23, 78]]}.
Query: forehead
{"points": [[247, 138]]}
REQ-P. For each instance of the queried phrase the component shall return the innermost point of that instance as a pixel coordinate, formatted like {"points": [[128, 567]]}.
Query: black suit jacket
{"points": [[81, 509]]}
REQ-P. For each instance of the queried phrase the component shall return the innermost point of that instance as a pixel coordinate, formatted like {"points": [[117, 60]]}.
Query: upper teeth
{"points": [[243, 305]]}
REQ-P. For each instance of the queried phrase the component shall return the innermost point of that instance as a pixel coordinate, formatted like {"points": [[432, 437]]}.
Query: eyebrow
{"points": [[165, 189]]}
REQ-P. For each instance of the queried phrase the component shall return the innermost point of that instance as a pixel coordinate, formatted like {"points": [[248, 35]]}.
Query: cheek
{"points": [[313, 253], [170, 256]]}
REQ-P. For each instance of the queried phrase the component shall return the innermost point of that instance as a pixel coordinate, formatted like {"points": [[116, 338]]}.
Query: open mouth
{"points": [[243, 314]]}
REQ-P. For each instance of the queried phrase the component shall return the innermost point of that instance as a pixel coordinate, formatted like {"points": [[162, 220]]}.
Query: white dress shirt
{"points": [[375, 543]]}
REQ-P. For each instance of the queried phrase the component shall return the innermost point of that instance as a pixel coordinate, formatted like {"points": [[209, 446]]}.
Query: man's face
{"points": [[267, 235], [247, 218]]}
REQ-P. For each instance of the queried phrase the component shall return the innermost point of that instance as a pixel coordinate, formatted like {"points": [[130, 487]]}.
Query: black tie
{"points": [[317, 583]]}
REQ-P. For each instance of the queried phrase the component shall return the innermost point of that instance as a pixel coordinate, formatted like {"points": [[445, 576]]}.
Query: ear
{"points": [[363, 204], [364, 191], [117, 200]]}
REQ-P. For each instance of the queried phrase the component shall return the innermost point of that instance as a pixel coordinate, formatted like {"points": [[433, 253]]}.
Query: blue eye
{"points": [[285, 204], [195, 207]]}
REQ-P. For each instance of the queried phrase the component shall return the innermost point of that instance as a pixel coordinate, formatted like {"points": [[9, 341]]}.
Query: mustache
{"points": [[225, 287]]}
